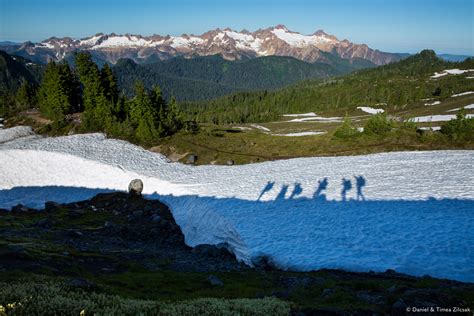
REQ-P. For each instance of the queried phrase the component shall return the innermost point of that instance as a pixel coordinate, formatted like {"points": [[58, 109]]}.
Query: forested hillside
{"points": [[202, 78], [393, 87]]}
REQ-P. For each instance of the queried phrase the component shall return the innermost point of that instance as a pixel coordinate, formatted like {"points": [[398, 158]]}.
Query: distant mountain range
{"points": [[230, 44], [455, 58]]}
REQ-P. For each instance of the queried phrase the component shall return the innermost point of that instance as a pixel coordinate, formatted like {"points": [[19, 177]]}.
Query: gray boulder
{"points": [[135, 187]]}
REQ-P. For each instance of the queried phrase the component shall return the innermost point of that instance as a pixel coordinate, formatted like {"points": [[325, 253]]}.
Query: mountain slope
{"points": [[207, 77], [393, 87], [230, 44], [15, 69]]}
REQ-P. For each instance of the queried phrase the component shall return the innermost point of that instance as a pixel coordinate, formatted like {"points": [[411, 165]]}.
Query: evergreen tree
{"points": [[57, 93], [109, 84], [25, 96], [143, 115], [98, 108], [174, 119]]}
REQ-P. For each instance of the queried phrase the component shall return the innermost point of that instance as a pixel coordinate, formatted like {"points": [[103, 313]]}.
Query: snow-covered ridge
{"points": [[244, 40], [299, 40], [230, 44]]}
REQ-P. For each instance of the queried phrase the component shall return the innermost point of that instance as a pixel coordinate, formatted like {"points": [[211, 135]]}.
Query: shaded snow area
{"points": [[370, 110], [414, 212], [450, 72], [16, 132], [437, 118]]}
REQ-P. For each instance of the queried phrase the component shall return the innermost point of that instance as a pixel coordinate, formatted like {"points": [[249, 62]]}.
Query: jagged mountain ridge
{"points": [[230, 44]]}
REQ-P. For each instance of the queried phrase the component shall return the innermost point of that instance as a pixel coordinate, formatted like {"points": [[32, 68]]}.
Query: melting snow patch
{"points": [[317, 119], [450, 72], [437, 118], [301, 115], [430, 128], [301, 134], [370, 110], [243, 128], [461, 94], [433, 103], [262, 128], [467, 107]]}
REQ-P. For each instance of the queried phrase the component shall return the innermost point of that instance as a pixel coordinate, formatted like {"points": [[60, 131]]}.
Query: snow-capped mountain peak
{"points": [[230, 44]]}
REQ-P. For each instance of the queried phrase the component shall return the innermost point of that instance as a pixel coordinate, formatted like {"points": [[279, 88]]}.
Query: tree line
{"points": [[93, 92]]}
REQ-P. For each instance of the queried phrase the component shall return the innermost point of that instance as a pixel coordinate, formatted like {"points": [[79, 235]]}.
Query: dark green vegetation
{"points": [[117, 254], [92, 95], [18, 80], [201, 78], [401, 86]]}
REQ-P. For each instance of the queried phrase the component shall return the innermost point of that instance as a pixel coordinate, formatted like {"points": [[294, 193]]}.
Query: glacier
{"points": [[413, 212]]}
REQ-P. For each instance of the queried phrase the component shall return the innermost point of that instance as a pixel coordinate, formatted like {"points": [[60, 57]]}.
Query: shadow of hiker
{"points": [[322, 186], [346, 186], [281, 195], [267, 188], [360, 183], [296, 191]]}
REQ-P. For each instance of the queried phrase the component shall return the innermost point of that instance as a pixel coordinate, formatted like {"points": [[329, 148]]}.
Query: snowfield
{"points": [[417, 216]]}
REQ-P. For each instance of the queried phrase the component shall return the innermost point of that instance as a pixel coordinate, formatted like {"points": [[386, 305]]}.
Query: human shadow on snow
{"points": [[386, 229]]}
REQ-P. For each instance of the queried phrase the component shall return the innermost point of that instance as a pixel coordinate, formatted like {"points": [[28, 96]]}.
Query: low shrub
{"points": [[59, 298], [459, 129], [378, 124], [346, 130]]}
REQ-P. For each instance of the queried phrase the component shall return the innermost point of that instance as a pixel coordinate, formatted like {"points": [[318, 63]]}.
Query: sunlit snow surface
{"points": [[417, 217]]}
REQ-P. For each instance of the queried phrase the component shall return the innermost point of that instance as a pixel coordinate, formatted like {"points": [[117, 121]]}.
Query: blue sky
{"points": [[391, 25]]}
